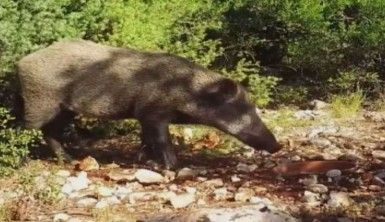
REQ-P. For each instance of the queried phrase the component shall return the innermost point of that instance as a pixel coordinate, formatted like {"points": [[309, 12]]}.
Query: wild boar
{"points": [[81, 77]]}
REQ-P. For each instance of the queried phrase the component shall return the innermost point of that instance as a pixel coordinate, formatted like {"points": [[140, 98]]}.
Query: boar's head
{"points": [[224, 105]]}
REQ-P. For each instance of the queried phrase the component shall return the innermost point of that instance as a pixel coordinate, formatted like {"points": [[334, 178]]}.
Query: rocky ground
{"points": [[214, 182]]}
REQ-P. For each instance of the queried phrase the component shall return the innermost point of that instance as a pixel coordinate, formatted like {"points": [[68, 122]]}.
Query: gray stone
{"points": [[107, 201], [254, 213], [148, 176], [186, 172], [169, 175], [305, 114], [379, 154], [318, 104], [313, 179], [316, 131], [312, 199], [321, 142], [334, 173], [182, 200], [339, 199], [86, 202], [118, 175], [76, 183], [191, 190], [221, 194], [244, 194], [235, 179], [218, 182], [318, 188], [241, 167], [104, 191], [61, 217]]}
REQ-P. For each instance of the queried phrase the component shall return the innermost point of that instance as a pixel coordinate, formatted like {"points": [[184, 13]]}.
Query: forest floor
{"points": [[214, 181]]}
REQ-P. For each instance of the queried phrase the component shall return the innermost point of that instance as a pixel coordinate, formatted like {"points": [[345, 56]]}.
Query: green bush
{"points": [[14, 143], [346, 105], [260, 87]]}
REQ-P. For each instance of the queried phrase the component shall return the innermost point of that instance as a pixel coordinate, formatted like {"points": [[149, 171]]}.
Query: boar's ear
{"points": [[223, 90]]}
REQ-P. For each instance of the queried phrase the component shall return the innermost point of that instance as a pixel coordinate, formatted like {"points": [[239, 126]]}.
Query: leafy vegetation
{"points": [[346, 106], [14, 143]]}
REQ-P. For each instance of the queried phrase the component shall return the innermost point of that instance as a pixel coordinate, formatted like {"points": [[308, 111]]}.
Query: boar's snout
{"points": [[261, 139]]}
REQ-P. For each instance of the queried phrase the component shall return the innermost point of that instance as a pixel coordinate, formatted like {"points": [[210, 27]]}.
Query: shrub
{"points": [[355, 80], [346, 105], [260, 87], [14, 143]]}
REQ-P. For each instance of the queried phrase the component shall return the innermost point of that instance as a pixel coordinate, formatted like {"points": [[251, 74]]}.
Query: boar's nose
{"points": [[261, 139], [274, 148]]}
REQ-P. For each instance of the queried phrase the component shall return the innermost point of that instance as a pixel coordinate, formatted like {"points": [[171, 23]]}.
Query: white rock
{"points": [[112, 200], [254, 213], [183, 200], [261, 201], [186, 173], [321, 142], [149, 196], [334, 173], [125, 175], [63, 173], [122, 192], [318, 104], [86, 202], [67, 189], [244, 194], [164, 196], [305, 114], [148, 176], [74, 219], [201, 179], [339, 199], [312, 199], [169, 175], [135, 197], [173, 187], [235, 179], [76, 183], [246, 168], [221, 194], [201, 202], [218, 182], [318, 188], [313, 179], [107, 201], [191, 190], [61, 217], [316, 131], [379, 154], [104, 191], [101, 204]]}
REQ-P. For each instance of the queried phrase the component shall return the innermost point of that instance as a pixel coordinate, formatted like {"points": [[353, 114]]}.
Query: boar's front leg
{"points": [[156, 140]]}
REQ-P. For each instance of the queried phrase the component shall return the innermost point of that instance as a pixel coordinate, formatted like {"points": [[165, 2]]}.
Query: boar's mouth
{"points": [[260, 139]]}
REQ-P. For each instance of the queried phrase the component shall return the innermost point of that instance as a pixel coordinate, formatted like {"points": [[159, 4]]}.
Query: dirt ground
{"points": [[216, 179]]}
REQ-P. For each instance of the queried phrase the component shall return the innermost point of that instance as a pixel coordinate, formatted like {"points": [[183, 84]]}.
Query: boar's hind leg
{"points": [[156, 141], [52, 132]]}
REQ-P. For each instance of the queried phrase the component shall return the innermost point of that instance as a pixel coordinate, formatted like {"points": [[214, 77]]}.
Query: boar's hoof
{"points": [[63, 157], [170, 160], [167, 156]]}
